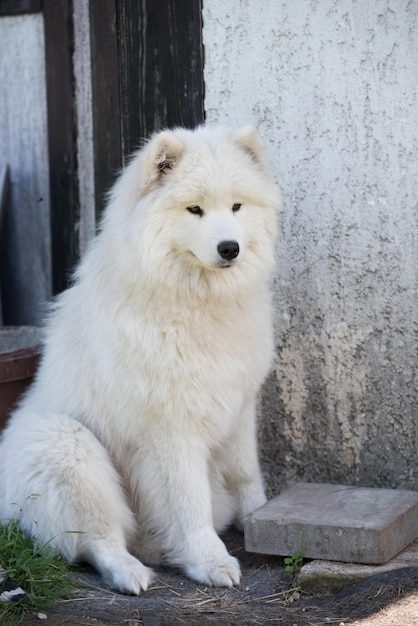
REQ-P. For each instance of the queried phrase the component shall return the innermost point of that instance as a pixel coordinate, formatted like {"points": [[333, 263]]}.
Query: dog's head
{"points": [[217, 193], [203, 198]]}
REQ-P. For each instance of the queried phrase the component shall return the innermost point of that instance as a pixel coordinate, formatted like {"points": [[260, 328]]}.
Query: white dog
{"points": [[139, 431]]}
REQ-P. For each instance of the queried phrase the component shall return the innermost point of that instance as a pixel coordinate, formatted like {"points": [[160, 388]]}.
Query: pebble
{"points": [[42, 616]]}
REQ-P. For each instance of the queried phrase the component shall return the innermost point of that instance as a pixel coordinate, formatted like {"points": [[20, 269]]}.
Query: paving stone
{"points": [[331, 576], [335, 523]]}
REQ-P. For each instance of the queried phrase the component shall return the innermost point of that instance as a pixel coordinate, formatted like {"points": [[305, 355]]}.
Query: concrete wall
{"points": [[333, 88], [83, 94], [25, 253]]}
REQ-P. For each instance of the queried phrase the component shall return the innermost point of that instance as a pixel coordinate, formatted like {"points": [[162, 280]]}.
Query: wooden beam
{"points": [[147, 74], [61, 140], [161, 66], [17, 7]]}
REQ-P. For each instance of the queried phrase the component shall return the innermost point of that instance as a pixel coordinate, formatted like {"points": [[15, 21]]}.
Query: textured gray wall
{"points": [[83, 93], [333, 88], [24, 146]]}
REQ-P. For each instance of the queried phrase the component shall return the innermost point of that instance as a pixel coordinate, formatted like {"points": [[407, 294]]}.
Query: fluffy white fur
{"points": [[139, 430]]}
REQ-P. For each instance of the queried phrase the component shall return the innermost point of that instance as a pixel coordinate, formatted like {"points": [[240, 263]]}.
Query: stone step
{"points": [[331, 576], [335, 523]]}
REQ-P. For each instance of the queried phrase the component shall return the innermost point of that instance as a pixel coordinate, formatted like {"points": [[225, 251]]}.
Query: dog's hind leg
{"points": [[240, 466], [61, 485]]}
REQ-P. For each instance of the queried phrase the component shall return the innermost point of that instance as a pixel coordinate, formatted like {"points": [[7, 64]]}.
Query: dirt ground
{"points": [[267, 595]]}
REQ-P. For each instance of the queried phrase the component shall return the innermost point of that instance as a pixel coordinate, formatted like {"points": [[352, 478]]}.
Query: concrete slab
{"points": [[332, 576], [335, 523]]}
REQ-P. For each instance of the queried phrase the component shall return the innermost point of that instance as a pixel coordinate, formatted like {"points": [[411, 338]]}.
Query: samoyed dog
{"points": [[136, 443]]}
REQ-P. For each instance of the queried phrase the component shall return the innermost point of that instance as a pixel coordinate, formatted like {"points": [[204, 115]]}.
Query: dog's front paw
{"points": [[223, 572], [126, 574], [206, 560]]}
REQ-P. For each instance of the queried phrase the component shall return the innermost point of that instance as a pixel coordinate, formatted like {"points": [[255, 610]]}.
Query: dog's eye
{"points": [[236, 207], [195, 210]]}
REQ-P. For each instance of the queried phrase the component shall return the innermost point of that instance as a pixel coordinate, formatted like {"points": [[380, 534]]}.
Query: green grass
{"points": [[39, 570]]}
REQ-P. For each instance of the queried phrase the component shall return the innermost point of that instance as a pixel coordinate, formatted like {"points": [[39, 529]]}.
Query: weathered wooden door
{"points": [[146, 74]]}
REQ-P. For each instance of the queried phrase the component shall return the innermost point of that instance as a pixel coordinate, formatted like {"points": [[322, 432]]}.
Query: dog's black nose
{"points": [[228, 250]]}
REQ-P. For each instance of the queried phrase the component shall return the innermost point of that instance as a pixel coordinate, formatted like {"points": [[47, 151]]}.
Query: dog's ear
{"points": [[168, 150], [160, 155], [249, 140]]}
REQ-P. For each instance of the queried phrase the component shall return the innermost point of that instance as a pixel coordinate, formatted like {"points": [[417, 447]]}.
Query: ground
{"points": [[266, 596]]}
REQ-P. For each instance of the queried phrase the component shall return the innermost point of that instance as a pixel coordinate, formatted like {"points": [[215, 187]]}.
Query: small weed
{"points": [[39, 570], [294, 563]]}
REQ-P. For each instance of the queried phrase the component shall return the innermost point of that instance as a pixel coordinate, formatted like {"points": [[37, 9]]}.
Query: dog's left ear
{"points": [[160, 155], [249, 140], [167, 151]]}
